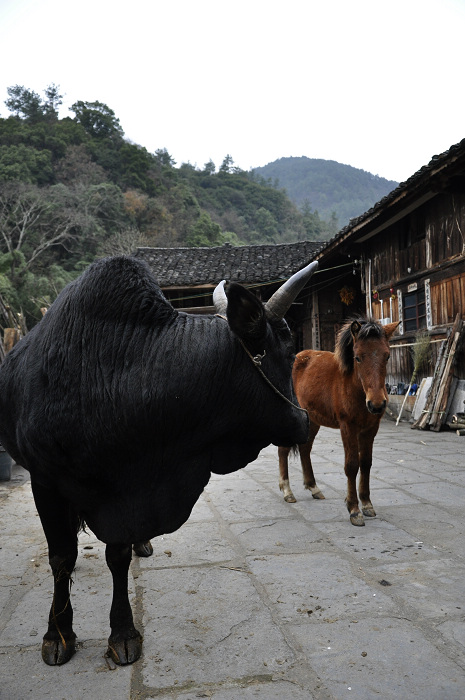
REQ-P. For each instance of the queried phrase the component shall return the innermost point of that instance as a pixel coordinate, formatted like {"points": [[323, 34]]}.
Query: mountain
{"points": [[327, 186]]}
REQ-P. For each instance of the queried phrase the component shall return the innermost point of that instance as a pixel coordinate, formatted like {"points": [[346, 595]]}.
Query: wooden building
{"points": [[404, 260]]}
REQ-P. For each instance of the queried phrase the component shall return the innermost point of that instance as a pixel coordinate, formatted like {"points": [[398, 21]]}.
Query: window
{"points": [[414, 311]]}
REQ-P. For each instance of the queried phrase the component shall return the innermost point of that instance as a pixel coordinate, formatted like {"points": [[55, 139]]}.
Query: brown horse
{"points": [[344, 389]]}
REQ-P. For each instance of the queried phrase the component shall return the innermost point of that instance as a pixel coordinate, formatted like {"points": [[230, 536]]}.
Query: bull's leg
{"points": [[143, 549], [125, 642], [307, 468], [351, 466], [365, 443], [60, 526], [284, 485]]}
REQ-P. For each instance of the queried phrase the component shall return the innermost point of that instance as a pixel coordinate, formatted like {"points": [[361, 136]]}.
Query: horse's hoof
{"points": [[143, 549], [55, 653], [369, 511], [125, 651], [357, 519], [319, 495], [290, 498]]}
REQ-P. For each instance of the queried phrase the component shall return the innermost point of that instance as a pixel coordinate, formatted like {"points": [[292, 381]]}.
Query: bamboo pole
{"points": [[434, 413]]}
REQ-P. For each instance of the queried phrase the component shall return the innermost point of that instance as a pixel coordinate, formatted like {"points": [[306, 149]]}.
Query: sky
{"points": [[376, 84]]}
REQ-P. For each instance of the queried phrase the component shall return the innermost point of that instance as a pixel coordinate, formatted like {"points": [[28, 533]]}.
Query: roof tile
{"points": [[176, 267]]}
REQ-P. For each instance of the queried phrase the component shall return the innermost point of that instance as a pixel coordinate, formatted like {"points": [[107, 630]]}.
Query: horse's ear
{"points": [[389, 328], [355, 329]]}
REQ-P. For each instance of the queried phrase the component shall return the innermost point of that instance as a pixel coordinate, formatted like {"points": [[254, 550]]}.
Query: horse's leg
{"points": [[284, 485], [365, 446], [351, 465], [307, 468], [125, 642], [60, 526]]}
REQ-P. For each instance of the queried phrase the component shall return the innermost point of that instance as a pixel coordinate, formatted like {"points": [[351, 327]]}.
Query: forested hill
{"points": [[327, 186], [74, 188]]}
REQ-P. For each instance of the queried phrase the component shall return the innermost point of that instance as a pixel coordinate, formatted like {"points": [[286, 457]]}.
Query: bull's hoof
{"points": [[143, 549], [56, 653], [369, 511], [357, 519], [290, 498], [125, 651]]}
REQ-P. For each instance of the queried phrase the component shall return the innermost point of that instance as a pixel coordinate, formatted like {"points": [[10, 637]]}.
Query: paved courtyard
{"points": [[257, 599]]}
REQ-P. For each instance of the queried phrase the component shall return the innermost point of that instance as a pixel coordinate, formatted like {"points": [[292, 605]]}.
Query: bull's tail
{"points": [[78, 522]]}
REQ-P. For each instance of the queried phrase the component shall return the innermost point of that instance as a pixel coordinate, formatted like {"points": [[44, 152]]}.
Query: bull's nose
{"points": [[376, 408]]}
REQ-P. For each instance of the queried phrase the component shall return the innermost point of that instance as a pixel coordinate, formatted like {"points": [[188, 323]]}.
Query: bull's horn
{"points": [[220, 300], [282, 299]]}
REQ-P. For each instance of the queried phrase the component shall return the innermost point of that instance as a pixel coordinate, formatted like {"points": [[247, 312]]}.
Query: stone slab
{"points": [[383, 658]]}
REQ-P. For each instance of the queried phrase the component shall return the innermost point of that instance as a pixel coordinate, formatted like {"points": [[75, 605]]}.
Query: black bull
{"points": [[121, 407]]}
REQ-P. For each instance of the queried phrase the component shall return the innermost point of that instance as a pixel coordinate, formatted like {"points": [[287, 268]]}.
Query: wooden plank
{"points": [[438, 415], [422, 422]]}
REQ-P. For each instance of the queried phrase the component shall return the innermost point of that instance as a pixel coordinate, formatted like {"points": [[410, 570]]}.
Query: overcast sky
{"points": [[376, 84]]}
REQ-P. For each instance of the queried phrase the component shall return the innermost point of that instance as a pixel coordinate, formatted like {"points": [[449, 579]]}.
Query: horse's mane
{"points": [[344, 350]]}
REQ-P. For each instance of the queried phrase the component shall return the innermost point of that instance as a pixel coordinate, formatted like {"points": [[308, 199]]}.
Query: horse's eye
{"points": [[357, 359]]}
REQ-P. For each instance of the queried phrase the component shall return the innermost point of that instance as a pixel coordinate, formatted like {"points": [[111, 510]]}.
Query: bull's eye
{"points": [[357, 359]]}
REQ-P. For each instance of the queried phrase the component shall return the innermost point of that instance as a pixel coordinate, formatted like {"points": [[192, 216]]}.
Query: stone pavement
{"points": [[257, 599]]}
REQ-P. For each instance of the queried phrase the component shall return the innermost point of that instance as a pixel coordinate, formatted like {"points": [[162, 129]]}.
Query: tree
{"points": [[122, 242], [31, 221], [53, 101], [227, 166], [77, 166], [97, 119], [311, 221], [25, 103], [209, 168], [25, 164], [205, 232], [267, 224], [162, 157], [30, 106], [134, 167], [35, 221]]}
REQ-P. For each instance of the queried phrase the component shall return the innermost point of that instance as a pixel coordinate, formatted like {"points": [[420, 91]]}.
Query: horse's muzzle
{"points": [[376, 409]]}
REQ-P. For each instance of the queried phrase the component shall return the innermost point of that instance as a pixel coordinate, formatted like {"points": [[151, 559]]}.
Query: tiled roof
{"points": [[177, 267], [440, 166]]}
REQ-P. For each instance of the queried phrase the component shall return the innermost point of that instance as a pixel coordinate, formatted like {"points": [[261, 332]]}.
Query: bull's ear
{"points": [[246, 314]]}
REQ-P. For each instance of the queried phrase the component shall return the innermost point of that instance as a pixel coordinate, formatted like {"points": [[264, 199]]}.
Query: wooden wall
{"points": [[445, 227], [400, 365], [429, 236], [448, 300]]}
